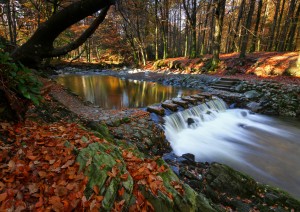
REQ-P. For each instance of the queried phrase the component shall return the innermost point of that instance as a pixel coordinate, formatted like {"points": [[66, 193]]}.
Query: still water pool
{"points": [[111, 92]]}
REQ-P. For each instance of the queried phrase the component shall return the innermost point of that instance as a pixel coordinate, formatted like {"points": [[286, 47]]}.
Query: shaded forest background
{"points": [[139, 30]]}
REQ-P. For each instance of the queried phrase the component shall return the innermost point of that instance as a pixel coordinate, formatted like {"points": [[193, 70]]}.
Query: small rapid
{"points": [[268, 149]]}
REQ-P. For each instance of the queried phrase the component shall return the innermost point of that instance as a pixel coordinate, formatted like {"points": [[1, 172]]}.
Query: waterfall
{"points": [[266, 148], [193, 117]]}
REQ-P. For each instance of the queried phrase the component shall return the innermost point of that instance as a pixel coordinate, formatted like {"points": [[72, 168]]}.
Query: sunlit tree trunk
{"points": [[286, 26], [292, 33]]}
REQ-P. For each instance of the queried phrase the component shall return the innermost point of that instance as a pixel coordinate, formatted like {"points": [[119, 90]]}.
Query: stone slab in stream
{"points": [[169, 105], [206, 95], [199, 98], [156, 109], [180, 102], [189, 99]]}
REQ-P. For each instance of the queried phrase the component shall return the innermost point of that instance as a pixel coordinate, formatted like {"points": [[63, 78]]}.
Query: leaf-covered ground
{"points": [[48, 164], [39, 170], [258, 66]]}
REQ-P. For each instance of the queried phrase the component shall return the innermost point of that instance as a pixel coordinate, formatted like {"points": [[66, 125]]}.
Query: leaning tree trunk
{"points": [[40, 45]]}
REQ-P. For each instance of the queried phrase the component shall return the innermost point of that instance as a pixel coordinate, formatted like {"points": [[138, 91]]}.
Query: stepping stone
{"points": [[181, 103], [156, 109], [189, 99], [206, 95], [199, 98], [169, 105]]}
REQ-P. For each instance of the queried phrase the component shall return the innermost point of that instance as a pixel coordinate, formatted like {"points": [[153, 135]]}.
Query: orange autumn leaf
{"points": [[68, 163], [99, 198], [114, 172], [3, 196], [40, 203], [121, 191], [96, 189], [124, 176], [42, 174], [9, 180]]}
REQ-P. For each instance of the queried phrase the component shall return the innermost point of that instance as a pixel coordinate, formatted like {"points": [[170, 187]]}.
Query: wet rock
{"points": [[190, 121], [254, 106], [251, 94], [189, 157]]}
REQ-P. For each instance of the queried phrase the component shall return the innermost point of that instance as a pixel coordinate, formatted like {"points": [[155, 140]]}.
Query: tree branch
{"points": [[82, 38]]}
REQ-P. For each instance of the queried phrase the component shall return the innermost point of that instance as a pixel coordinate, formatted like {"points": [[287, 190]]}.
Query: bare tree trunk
{"points": [[156, 29], [277, 33], [264, 46], [219, 15], [286, 26], [254, 40], [203, 49], [245, 37], [11, 21], [292, 32], [236, 28], [190, 9], [272, 33]]}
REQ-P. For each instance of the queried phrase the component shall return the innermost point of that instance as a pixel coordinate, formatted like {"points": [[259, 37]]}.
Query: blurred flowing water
{"points": [[114, 93], [268, 149]]}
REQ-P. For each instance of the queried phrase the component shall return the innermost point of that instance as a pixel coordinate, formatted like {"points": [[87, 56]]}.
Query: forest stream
{"points": [[266, 148]]}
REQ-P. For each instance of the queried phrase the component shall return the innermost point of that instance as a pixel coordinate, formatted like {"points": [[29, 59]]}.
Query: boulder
{"points": [[252, 94]]}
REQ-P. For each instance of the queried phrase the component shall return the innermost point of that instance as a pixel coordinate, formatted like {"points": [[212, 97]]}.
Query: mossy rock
{"points": [[190, 201], [159, 64], [221, 179], [99, 160], [96, 161]]}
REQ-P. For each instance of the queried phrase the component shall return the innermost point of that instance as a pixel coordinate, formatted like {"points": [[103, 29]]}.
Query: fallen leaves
{"points": [[39, 171], [144, 172]]}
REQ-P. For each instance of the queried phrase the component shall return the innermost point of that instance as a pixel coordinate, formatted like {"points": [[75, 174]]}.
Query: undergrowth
{"points": [[18, 86]]}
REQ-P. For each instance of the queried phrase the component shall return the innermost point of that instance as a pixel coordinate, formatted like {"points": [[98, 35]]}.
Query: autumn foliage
{"points": [[38, 165]]}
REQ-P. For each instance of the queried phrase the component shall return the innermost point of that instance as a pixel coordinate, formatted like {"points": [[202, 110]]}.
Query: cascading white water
{"points": [[265, 148]]}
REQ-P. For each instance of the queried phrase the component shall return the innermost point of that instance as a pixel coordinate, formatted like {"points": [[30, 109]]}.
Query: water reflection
{"points": [[114, 93]]}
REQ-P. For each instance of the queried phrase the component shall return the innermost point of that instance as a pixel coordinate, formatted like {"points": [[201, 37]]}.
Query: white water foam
{"points": [[249, 142]]}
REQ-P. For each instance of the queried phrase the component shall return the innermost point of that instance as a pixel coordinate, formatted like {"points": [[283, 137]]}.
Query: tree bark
{"points": [[254, 40], [271, 39], [40, 45], [286, 26], [245, 37], [191, 14], [218, 20], [236, 28], [292, 32]]}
